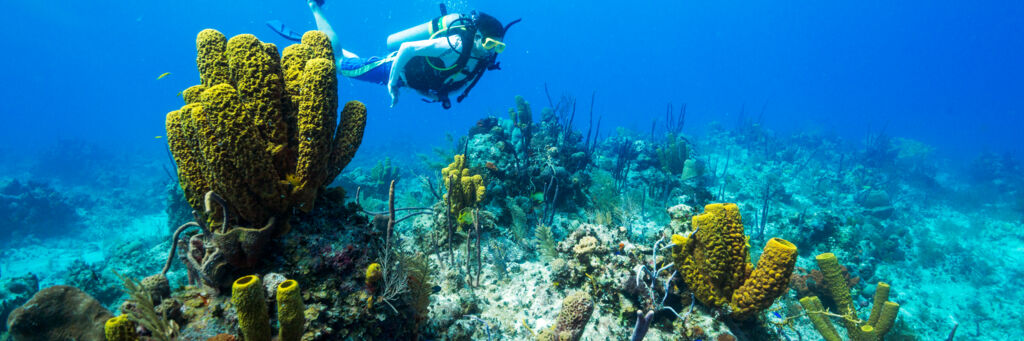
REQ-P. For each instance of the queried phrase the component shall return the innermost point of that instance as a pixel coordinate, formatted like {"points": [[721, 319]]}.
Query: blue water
{"points": [[83, 115], [942, 72]]}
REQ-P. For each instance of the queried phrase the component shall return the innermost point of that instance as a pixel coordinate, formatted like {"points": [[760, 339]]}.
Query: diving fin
{"points": [[283, 30]]}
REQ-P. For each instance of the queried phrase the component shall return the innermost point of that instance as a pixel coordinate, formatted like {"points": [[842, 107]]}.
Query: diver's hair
{"points": [[489, 26]]}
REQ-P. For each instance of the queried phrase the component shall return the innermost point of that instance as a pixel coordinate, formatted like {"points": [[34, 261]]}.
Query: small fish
{"points": [[538, 197], [162, 75], [179, 94], [777, 314], [436, 289], [158, 137]]}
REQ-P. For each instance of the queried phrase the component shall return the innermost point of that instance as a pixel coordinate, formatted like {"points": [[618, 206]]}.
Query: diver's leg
{"points": [[323, 26]]}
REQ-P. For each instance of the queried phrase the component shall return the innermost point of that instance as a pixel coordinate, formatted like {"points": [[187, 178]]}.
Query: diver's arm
{"points": [[421, 48]]}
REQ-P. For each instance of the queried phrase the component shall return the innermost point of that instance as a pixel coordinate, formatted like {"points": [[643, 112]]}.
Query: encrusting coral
{"points": [[575, 313], [883, 312], [257, 138], [714, 261]]}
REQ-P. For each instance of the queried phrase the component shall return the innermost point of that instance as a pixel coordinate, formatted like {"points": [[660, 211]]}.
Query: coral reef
{"points": [[35, 209], [14, 292], [549, 233], [94, 281]]}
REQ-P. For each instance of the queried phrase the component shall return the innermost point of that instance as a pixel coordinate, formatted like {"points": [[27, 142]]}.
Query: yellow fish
{"points": [[179, 94], [158, 137], [162, 75]]}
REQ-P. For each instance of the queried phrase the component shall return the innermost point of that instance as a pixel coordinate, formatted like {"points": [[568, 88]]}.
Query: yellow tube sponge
{"points": [[816, 312], [347, 138], [290, 311], [211, 58], [251, 303], [319, 43], [191, 164], [257, 77], [836, 285], [293, 62], [316, 119], [881, 296], [239, 168], [883, 313], [191, 94], [866, 333], [372, 275], [714, 260], [768, 281], [261, 132], [120, 328], [887, 317], [464, 189]]}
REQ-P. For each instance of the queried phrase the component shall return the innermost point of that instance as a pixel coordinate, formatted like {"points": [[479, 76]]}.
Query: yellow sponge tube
{"points": [[835, 283], [816, 312], [768, 281], [881, 296], [373, 274], [251, 303], [290, 311]]}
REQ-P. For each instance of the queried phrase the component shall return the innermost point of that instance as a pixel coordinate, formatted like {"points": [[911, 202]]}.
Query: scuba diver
{"points": [[429, 58]]}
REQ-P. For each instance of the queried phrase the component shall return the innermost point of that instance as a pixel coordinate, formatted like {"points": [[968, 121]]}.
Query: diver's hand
{"points": [[393, 89]]}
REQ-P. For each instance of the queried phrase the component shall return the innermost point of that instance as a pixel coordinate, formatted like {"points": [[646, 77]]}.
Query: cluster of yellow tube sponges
{"points": [[715, 263], [261, 130], [247, 295], [883, 312], [464, 189]]}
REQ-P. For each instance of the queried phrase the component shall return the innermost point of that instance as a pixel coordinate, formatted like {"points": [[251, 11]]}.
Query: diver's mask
{"points": [[493, 44]]}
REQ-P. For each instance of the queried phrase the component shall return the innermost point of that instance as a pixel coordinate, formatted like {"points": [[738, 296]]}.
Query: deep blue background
{"points": [[944, 72]]}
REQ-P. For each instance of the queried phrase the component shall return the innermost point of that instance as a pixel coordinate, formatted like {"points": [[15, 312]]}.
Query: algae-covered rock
{"points": [[59, 313], [876, 204]]}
